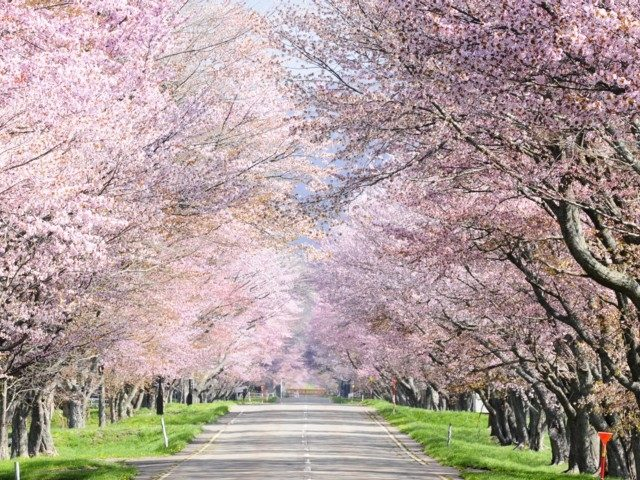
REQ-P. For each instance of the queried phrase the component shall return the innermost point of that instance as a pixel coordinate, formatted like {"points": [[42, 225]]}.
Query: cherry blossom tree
{"points": [[131, 132], [527, 109]]}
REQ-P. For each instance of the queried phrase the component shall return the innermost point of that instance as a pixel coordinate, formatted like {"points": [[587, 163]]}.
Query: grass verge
{"points": [[346, 401], [472, 449], [256, 400], [81, 450]]}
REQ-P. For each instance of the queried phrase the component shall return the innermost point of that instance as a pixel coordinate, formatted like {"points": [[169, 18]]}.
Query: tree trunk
{"points": [[160, 397], [139, 400], [556, 423], [129, 401], [40, 438], [443, 402], [535, 429], [498, 420], [618, 464], [464, 402], [120, 405], [102, 407], [76, 412], [582, 454], [519, 409], [190, 395], [504, 415], [635, 449], [112, 410], [431, 398], [559, 438], [617, 461], [19, 439], [150, 399], [4, 427]]}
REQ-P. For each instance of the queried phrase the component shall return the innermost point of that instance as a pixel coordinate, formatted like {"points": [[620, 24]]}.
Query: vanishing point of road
{"points": [[306, 438]]}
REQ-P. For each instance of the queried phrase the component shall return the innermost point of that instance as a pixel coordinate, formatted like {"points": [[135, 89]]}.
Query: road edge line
{"points": [[376, 418], [201, 449]]}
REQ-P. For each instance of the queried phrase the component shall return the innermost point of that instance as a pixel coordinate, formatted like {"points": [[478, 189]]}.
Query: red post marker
{"points": [[604, 438]]}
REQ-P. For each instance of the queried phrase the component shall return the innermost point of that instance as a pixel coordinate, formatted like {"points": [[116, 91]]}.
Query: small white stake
{"points": [[17, 470], [164, 432]]}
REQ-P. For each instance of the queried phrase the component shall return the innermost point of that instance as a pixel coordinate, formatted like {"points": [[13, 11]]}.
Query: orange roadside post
{"points": [[604, 438]]}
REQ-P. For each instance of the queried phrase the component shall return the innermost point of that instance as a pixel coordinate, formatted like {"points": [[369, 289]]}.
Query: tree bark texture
{"points": [[102, 406], [4, 422], [583, 455], [40, 439], [19, 437], [75, 410]]}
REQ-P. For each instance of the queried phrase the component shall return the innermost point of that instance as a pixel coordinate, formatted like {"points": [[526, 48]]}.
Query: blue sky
{"points": [[267, 5], [262, 5]]}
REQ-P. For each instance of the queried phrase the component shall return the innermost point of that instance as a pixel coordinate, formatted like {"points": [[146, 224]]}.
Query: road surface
{"points": [[302, 439]]}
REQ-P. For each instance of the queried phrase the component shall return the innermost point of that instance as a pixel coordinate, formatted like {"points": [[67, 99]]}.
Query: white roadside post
{"points": [[160, 410], [17, 470], [164, 432]]}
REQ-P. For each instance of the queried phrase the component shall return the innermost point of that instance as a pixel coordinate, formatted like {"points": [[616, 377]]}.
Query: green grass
{"points": [[346, 401], [258, 400], [472, 447], [81, 450]]}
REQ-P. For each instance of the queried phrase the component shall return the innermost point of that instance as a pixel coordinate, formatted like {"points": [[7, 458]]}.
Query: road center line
{"points": [[305, 442]]}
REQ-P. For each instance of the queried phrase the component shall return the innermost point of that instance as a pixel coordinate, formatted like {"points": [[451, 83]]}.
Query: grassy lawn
{"points": [[256, 399], [80, 450], [472, 448], [346, 401]]}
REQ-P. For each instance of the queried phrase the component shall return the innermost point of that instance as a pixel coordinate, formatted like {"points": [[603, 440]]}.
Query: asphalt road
{"points": [[302, 439]]}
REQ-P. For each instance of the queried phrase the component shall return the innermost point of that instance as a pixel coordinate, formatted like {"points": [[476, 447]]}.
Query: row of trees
{"points": [[146, 208], [489, 152]]}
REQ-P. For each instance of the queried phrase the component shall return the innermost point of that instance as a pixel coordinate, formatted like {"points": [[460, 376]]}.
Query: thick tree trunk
{"points": [[583, 455], [138, 403], [112, 410], [4, 427], [443, 402], [150, 399], [465, 402], [188, 399], [558, 437], [619, 464], [408, 392], [129, 401], [19, 439], [40, 438], [635, 449], [160, 397], [556, 423], [520, 409], [76, 412], [537, 420], [627, 443], [121, 405], [102, 406], [617, 461], [504, 417], [431, 398], [498, 419]]}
